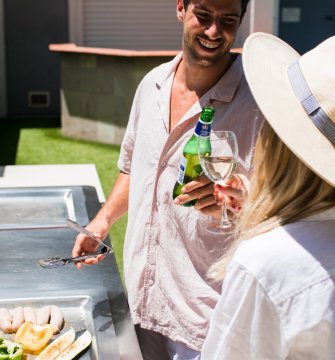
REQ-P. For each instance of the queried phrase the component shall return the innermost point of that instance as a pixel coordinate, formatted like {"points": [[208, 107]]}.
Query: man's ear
{"points": [[180, 10]]}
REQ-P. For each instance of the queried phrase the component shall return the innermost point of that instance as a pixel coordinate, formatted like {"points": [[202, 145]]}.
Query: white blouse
{"points": [[278, 298]]}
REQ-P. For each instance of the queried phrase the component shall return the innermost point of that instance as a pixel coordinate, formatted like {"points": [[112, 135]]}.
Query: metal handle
{"points": [[72, 224], [55, 262], [105, 251]]}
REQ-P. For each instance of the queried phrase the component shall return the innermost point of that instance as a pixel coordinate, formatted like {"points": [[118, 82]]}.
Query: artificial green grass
{"points": [[48, 146]]}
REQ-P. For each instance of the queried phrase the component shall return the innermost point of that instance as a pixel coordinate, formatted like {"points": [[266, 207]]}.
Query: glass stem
{"points": [[224, 217]]}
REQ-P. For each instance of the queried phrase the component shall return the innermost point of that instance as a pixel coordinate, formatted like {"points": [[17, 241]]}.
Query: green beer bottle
{"points": [[190, 168]]}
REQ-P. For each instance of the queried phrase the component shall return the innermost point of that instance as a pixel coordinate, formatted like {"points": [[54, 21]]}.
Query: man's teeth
{"points": [[208, 44]]}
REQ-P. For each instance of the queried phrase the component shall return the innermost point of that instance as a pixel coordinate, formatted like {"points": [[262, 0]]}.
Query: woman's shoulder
{"points": [[264, 251], [290, 258]]}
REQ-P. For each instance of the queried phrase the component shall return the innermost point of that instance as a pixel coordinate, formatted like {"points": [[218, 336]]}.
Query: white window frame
{"points": [[75, 8], [264, 16]]}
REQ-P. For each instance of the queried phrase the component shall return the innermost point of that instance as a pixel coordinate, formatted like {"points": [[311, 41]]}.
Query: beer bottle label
{"points": [[203, 128], [182, 167]]}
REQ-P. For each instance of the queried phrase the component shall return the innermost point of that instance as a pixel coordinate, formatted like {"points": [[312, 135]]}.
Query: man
{"points": [[167, 249]]}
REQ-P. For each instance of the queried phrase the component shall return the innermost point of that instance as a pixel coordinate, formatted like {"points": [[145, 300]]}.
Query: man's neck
{"points": [[199, 79], [190, 83]]}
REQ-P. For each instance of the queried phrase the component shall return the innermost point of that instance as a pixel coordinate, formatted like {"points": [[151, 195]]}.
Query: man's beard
{"points": [[200, 60]]}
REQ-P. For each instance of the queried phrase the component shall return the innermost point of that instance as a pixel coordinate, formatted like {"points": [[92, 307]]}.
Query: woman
{"points": [[278, 293]]}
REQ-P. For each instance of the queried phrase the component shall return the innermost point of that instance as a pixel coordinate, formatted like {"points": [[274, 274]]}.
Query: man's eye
{"points": [[203, 16], [228, 21]]}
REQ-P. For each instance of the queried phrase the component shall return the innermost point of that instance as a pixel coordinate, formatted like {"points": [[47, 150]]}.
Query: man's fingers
{"points": [[196, 194], [91, 261], [195, 184], [213, 210], [205, 202], [76, 251]]}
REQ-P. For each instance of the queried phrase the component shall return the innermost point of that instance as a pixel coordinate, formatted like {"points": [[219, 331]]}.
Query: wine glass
{"points": [[218, 155]]}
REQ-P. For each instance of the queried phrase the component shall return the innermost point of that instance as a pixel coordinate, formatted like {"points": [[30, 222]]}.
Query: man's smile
{"points": [[208, 44]]}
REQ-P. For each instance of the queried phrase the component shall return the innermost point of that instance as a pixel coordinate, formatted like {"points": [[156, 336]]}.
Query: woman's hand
{"points": [[235, 191]]}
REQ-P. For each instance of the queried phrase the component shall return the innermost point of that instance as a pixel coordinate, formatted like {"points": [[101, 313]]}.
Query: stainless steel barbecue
{"points": [[33, 227]]}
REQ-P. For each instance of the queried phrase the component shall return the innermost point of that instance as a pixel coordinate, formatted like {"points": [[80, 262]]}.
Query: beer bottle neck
{"points": [[203, 128]]}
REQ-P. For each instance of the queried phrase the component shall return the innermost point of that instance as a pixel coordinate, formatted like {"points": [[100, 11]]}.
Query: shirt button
{"points": [[150, 282]]}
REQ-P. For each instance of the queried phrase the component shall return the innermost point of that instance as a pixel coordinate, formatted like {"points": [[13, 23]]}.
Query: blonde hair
{"points": [[283, 190]]}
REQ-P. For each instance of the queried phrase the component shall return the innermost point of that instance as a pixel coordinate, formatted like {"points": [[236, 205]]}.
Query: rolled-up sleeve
{"points": [[128, 142], [244, 324]]}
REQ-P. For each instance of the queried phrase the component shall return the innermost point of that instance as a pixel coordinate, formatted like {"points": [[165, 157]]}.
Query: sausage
{"points": [[29, 314], [56, 318], [17, 318], [5, 321], [43, 315]]}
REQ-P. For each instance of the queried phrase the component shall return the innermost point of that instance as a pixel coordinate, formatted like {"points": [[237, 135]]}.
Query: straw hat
{"points": [[296, 94]]}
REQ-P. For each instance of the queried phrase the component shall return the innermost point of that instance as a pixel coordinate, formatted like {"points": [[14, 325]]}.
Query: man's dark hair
{"points": [[244, 4]]}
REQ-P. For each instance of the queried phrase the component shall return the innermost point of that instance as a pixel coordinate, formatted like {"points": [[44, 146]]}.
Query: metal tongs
{"points": [[72, 224], [55, 262]]}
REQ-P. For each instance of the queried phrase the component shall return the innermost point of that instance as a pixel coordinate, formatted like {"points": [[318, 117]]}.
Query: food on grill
{"points": [[43, 315], [33, 337], [11, 320], [17, 318], [56, 318], [57, 346], [5, 321], [29, 314], [10, 350], [83, 342]]}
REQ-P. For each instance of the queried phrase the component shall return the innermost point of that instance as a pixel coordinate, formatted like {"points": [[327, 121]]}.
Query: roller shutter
{"points": [[131, 24]]}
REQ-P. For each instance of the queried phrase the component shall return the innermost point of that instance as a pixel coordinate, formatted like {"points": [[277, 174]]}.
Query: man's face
{"points": [[210, 27]]}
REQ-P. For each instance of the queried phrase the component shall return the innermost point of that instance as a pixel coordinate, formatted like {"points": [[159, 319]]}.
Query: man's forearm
{"points": [[117, 202]]}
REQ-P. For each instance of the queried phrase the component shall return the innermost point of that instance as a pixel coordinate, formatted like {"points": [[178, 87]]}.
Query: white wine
{"points": [[218, 168]]}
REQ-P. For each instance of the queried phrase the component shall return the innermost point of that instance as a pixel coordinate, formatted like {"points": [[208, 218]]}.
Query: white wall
{"points": [[3, 98]]}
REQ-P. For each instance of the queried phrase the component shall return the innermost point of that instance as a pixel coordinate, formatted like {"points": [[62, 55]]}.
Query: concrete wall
{"points": [[97, 93]]}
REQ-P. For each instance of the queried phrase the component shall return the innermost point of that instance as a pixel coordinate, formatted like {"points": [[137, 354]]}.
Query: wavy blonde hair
{"points": [[283, 190]]}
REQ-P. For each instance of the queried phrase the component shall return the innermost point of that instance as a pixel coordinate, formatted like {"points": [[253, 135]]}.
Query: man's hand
{"points": [[113, 209], [202, 191], [85, 245], [210, 197]]}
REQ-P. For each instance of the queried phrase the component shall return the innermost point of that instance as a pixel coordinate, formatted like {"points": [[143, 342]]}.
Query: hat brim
{"points": [[265, 62]]}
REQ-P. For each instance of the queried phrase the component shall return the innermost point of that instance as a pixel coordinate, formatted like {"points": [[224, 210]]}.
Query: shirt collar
{"points": [[224, 90], [168, 69], [226, 87]]}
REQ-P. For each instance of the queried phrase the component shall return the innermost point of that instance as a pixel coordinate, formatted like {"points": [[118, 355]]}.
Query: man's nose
{"points": [[214, 30]]}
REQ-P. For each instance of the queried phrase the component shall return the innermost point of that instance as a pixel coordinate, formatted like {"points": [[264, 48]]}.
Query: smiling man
{"points": [[167, 249]]}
